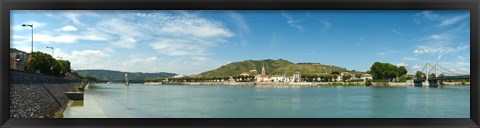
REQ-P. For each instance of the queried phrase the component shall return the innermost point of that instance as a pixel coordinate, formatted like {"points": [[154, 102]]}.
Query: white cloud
{"points": [[119, 33], [452, 20], [47, 39], [158, 28], [425, 15], [151, 59], [416, 67], [442, 36], [396, 32], [19, 27], [196, 28], [239, 21], [64, 38], [186, 37], [428, 14], [68, 28], [180, 47], [57, 52], [36, 24], [186, 13], [386, 53], [73, 16], [461, 58], [89, 53], [456, 68], [87, 59], [108, 50], [18, 37], [402, 64], [421, 51], [141, 61], [125, 42], [443, 21], [440, 49], [293, 22], [48, 14], [436, 37], [464, 70], [325, 23]]}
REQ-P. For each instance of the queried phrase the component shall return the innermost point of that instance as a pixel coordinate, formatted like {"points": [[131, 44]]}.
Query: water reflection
{"points": [[175, 101], [76, 103]]}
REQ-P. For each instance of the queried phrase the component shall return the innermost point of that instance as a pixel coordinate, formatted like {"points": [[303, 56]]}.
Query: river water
{"points": [[183, 101]]}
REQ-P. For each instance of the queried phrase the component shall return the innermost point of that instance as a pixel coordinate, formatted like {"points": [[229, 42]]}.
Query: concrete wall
{"points": [[38, 96]]}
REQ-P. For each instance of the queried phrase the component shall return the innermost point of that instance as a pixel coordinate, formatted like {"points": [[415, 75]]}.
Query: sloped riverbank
{"points": [[38, 96]]}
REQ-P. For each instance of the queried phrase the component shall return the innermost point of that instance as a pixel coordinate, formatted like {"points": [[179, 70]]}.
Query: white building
{"points": [[279, 78], [178, 76], [366, 76], [338, 79], [260, 78], [297, 77], [245, 74]]}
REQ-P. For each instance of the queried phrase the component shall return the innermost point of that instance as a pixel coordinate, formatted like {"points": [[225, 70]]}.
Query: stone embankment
{"points": [[38, 96]]}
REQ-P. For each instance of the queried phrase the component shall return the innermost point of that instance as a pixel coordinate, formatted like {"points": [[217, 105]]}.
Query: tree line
{"points": [[46, 64]]}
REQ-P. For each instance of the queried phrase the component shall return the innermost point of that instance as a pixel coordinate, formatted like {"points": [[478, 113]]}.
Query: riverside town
{"points": [[240, 64]]}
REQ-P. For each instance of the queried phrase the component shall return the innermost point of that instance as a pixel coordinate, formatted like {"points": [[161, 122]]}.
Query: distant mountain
{"points": [[117, 76], [273, 67]]}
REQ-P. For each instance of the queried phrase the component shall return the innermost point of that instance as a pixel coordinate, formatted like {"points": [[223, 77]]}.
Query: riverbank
{"points": [[307, 84], [38, 96]]}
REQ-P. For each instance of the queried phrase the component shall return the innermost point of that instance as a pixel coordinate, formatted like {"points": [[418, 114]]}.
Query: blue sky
{"points": [[190, 42]]}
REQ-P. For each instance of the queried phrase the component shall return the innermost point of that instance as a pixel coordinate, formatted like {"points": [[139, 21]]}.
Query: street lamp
{"points": [[29, 25], [60, 57], [52, 50]]}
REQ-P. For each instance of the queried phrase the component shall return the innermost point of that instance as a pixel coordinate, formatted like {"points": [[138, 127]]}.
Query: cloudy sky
{"points": [[191, 42]]}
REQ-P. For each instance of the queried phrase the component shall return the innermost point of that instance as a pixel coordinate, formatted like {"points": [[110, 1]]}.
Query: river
{"points": [[186, 101]]}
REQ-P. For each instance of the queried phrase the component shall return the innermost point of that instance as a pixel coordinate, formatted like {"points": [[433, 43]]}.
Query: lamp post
{"points": [[29, 25], [52, 50]]}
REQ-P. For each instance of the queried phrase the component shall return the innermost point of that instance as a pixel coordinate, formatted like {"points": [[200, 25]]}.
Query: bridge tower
{"points": [[427, 67]]}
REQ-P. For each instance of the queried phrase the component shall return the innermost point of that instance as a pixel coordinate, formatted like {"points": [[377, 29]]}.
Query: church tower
{"points": [[263, 69]]}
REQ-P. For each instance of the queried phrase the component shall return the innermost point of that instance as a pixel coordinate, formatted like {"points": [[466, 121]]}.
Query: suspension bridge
{"points": [[439, 73]]}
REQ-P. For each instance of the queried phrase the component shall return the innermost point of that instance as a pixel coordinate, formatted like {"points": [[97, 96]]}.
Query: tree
{"points": [[345, 78], [401, 71], [441, 75], [42, 62], [368, 82], [419, 75], [386, 71], [89, 78], [358, 75], [335, 72], [404, 78], [64, 67]]}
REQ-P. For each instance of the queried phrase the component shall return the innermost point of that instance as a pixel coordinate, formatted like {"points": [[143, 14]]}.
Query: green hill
{"points": [[117, 76], [272, 67]]}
